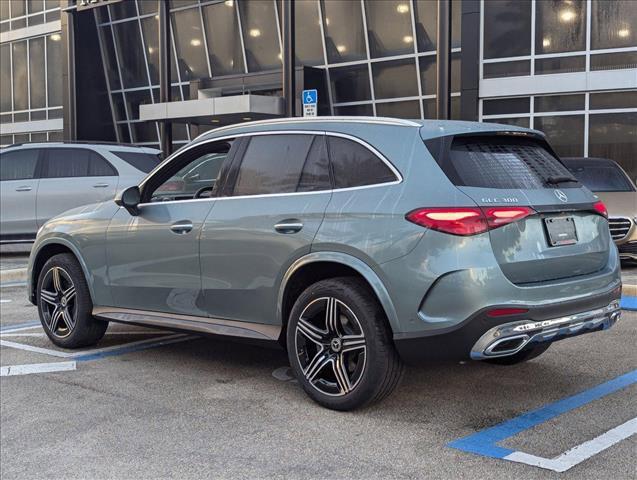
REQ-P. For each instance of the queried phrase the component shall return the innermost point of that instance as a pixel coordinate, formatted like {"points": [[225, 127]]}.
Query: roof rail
{"points": [[275, 121], [81, 142]]}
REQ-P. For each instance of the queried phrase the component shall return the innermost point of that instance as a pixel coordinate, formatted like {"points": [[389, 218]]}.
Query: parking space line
{"points": [[485, 441], [628, 302], [19, 326], [31, 348], [37, 368], [579, 453]]}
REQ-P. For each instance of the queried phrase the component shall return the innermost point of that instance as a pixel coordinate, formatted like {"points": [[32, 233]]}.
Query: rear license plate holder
{"points": [[561, 231]]}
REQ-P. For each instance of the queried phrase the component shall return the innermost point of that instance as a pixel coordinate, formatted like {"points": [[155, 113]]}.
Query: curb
{"points": [[629, 290], [13, 275]]}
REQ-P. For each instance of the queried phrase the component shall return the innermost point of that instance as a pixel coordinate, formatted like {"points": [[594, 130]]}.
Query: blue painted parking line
{"points": [[628, 303], [134, 347], [485, 441], [15, 326]]}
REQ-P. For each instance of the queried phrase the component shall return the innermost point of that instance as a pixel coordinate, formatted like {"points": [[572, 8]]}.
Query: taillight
{"points": [[466, 221], [600, 208]]}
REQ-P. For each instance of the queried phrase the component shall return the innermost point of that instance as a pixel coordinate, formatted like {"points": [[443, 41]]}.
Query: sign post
{"points": [[310, 99]]}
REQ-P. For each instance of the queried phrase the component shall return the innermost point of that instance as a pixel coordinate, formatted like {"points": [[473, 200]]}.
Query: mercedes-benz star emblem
{"points": [[560, 195]]}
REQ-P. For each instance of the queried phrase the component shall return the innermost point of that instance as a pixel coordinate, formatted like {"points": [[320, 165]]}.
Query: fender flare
{"points": [[32, 282], [355, 263]]}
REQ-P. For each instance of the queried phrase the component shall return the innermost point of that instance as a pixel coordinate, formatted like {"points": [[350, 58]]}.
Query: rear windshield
{"points": [[502, 163], [601, 178], [144, 162]]}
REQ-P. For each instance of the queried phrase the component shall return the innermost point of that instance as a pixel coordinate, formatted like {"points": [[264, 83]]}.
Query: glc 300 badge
{"points": [[560, 195]]}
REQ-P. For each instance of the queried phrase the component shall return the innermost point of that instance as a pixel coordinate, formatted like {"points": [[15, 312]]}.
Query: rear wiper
{"points": [[557, 179]]}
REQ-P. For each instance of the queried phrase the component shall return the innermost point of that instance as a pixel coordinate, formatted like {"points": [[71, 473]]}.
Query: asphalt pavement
{"points": [[152, 404]]}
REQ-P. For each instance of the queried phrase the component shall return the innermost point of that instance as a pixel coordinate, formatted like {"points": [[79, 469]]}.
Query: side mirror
{"points": [[129, 199]]}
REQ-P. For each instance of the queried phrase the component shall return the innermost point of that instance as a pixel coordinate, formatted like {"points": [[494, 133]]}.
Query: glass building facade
{"points": [[567, 67], [31, 69]]}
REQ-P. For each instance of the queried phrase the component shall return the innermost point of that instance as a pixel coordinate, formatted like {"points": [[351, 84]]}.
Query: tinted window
{"points": [[603, 177], [272, 164], [354, 165], [198, 177], [98, 167], [18, 165], [144, 162], [501, 163], [67, 162], [316, 172]]}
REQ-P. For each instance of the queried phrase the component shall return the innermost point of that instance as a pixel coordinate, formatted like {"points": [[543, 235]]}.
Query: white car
{"points": [[39, 181]]}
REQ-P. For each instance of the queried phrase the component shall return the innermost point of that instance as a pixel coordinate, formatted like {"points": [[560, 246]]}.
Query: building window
{"points": [[389, 28], [344, 35], [260, 35], [613, 24], [507, 28], [560, 26]]}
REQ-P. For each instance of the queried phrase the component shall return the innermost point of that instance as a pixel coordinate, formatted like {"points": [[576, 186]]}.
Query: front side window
{"points": [[198, 177], [143, 162], [272, 164], [18, 165], [354, 165]]}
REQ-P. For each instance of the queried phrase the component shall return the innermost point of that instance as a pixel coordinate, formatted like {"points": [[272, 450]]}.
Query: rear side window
{"points": [[354, 165], [272, 164], [18, 165], [501, 163], [601, 178], [76, 162], [316, 171], [143, 162]]}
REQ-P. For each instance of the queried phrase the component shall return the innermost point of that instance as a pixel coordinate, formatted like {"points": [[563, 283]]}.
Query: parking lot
{"points": [[152, 404]]}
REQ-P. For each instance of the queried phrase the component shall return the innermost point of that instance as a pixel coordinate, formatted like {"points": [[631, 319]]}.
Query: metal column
{"points": [[166, 130], [289, 87], [443, 60]]}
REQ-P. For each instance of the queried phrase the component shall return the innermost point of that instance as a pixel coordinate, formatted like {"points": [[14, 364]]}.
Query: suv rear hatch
{"points": [[564, 235]]}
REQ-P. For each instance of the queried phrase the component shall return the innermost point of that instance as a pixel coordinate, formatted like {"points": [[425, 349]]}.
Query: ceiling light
{"points": [[246, 118], [546, 42], [56, 37], [255, 32], [214, 120], [279, 56], [567, 15], [341, 48], [151, 50], [327, 21], [408, 39], [402, 8], [195, 42], [229, 3], [624, 32]]}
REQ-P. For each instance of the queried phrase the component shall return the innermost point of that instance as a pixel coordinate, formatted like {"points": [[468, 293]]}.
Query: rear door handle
{"points": [[289, 226], [181, 227], [100, 185], [23, 188]]}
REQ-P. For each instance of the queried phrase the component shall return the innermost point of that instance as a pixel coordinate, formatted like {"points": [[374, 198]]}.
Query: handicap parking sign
{"points": [[310, 99]]}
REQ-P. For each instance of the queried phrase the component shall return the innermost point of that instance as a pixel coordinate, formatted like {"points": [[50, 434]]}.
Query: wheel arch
{"points": [[321, 265], [46, 250]]}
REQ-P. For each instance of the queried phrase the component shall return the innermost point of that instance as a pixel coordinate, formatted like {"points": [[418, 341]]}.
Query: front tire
{"points": [[340, 345], [65, 306]]}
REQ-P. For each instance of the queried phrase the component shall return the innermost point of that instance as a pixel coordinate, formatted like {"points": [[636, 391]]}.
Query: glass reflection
{"points": [[389, 27], [260, 35], [560, 26], [344, 37], [222, 35], [189, 45]]}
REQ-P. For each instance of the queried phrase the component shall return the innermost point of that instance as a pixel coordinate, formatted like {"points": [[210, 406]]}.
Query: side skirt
{"points": [[189, 323]]}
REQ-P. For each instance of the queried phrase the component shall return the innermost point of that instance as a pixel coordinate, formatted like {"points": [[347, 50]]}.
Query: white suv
{"points": [[39, 181]]}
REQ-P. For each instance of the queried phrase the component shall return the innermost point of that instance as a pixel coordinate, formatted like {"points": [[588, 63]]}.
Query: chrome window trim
{"points": [[395, 171]]}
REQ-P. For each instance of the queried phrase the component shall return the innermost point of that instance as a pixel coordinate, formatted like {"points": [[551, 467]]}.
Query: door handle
{"points": [[181, 227], [289, 226], [100, 185], [23, 188]]}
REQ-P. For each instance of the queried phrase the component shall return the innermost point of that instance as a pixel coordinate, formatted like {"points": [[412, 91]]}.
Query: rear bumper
{"points": [[481, 336]]}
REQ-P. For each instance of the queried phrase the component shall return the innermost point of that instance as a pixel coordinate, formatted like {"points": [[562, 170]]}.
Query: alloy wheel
{"points": [[330, 346], [58, 302]]}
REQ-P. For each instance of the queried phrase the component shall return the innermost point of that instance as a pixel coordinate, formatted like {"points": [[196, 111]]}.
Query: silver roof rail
{"points": [[399, 122]]}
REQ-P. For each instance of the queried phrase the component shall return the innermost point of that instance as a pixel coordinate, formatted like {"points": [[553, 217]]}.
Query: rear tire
{"points": [[523, 356], [340, 345], [65, 306]]}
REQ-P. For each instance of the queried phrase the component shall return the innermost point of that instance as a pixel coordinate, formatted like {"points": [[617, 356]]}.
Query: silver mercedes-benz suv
{"points": [[357, 243]]}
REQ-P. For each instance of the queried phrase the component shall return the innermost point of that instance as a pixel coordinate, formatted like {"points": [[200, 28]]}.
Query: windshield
{"points": [[602, 178]]}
